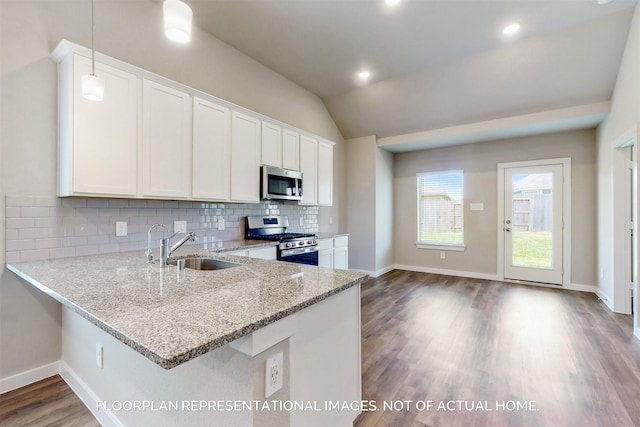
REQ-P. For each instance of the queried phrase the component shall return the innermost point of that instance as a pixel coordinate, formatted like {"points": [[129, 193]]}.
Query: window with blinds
{"points": [[440, 208]]}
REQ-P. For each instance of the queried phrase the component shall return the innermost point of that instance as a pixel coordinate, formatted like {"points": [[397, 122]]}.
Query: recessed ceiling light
{"points": [[604, 1], [511, 29], [391, 2], [364, 75]]}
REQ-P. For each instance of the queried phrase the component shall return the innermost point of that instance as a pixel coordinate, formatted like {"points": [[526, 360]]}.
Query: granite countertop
{"points": [[233, 245], [172, 316]]}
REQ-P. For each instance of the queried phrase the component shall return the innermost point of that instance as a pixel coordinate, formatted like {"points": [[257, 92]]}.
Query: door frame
{"points": [[619, 255], [566, 214]]}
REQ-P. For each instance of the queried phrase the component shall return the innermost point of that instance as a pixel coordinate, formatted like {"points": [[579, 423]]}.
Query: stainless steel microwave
{"points": [[280, 184]]}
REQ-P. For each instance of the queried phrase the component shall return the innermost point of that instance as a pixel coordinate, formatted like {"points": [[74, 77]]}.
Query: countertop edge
{"points": [[168, 363]]}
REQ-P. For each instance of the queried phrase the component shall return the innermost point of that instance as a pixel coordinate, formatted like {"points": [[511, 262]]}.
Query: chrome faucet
{"points": [[166, 251], [148, 252]]}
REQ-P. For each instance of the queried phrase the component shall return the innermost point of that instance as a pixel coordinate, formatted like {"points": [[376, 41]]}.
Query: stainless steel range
{"points": [[292, 247]]}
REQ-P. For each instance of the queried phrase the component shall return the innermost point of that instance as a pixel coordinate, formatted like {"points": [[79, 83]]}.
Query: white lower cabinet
{"points": [[334, 253], [325, 253]]}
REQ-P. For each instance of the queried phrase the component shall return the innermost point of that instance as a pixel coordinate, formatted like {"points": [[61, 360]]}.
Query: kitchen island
{"points": [[203, 337]]}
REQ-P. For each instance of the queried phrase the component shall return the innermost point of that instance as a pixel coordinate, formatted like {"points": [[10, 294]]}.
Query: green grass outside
{"points": [[532, 249], [442, 237]]}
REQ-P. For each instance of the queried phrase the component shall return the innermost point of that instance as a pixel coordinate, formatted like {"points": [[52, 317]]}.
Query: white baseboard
{"points": [[468, 274], [474, 275], [376, 273], [606, 299], [88, 397], [29, 377]]}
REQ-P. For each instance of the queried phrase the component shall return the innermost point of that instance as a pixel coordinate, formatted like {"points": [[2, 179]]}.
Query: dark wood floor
{"points": [[477, 347], [472, 345], [49, 402]]}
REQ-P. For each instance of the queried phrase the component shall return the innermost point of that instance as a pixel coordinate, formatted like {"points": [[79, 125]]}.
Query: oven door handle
{"points": [[298, 251]]}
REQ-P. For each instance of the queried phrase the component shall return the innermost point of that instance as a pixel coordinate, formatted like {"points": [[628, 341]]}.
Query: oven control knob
{"points": [[288, 245], [300, 243], [309, 242]]}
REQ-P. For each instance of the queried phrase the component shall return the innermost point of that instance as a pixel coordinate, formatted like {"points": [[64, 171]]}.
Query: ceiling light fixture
{"points": [[364, 75], [177, 21], [92, 85], [511, 29], [604, 1], [391, 2]]}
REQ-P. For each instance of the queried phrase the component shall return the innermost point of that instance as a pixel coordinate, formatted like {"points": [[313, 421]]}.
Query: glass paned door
{"points": [[533, 223]]}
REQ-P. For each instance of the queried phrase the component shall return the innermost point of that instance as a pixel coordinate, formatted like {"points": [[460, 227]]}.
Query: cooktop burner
{"points": [[282, 236]]}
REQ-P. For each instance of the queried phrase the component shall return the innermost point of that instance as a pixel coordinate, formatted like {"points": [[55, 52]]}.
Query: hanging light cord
{"points": [[93, 54]]}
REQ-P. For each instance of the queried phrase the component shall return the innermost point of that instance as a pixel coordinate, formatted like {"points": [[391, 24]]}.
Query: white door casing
{"points": [[558, 268]]}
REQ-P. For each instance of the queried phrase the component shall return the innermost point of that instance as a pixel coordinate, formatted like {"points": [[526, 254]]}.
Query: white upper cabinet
{"points": [[325, 174], [245, 158], [309, 169], [97, 140], [211, 151], [166, 141], [153, 138], [271, 144], [290, 149]]}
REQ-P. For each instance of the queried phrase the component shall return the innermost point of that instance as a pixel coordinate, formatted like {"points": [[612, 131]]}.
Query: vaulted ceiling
{"points": [[434, 63]]}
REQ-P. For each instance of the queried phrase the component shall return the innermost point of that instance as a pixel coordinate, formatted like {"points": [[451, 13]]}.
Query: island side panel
{"points": [[326, 360], [126, 376]]}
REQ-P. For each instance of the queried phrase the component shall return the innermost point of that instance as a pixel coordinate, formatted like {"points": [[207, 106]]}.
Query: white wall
{"points": [[625, 114], [479, 162], [129, 30]]}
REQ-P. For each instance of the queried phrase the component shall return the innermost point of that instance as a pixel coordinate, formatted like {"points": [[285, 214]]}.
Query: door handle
{"points": [[507, 229]]}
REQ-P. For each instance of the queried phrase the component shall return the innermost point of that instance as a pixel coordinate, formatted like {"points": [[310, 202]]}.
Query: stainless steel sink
{"points": [[201, 263]]}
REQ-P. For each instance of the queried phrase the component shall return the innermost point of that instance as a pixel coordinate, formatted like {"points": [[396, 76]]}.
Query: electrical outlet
{"points": [[301, 222], [99, 356], [273, 375], [221, 224], [121, 228], [330, 220], [442, 255], [179, 226]]}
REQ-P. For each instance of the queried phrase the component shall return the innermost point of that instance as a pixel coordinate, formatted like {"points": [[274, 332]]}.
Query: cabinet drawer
{"points": [[325, 244], [341, 242]]}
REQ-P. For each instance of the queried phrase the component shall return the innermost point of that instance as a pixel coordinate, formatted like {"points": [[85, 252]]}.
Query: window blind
{"points": [[440, 208]]}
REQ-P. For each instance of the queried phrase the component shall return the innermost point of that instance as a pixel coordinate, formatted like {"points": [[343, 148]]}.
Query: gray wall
{"points": [[129, 30], [360, 179], [369, 204], [479, 162]]}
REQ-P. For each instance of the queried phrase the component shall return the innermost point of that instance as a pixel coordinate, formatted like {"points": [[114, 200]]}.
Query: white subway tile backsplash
{"points": [[50, 227]]}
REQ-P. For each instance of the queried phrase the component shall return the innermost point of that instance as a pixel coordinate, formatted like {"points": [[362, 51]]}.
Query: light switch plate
{"points": [[179, 226], [121, 228], [476, 206], [221, 224]]}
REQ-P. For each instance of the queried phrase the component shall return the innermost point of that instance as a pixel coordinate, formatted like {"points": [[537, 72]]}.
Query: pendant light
{"points": [[177, 21], [92, 85]]}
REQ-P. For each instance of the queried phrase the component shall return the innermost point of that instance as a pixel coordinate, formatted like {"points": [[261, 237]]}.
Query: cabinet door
{"points": [[309, 169], [100, 155], [325, 258], [271, 144], [290, 150], [325, 174], [341, 258], [245, 158], [166, 141], [211, 150]]}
